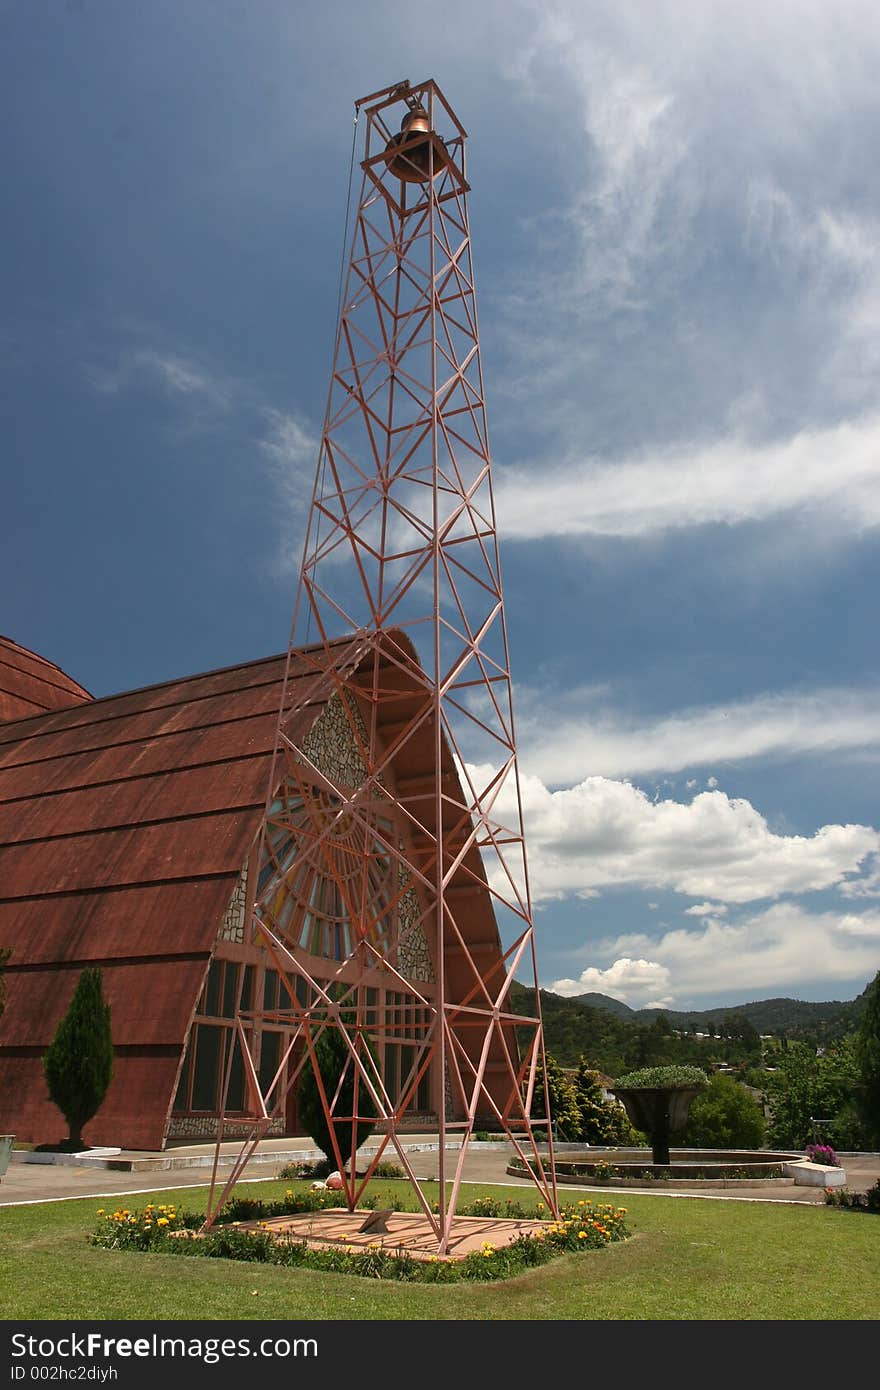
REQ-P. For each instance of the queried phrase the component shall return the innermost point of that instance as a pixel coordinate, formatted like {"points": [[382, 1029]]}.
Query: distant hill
{"points": [[603, 1001], [616, 1038], [766, 1015]]}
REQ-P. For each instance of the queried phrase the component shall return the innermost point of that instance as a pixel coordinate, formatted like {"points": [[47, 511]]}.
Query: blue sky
{"points": [[676, 225]]}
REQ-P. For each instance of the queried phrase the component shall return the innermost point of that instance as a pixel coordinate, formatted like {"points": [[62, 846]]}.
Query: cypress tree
{"points": [[332, 1056], [565, 1115], [79, 1062], [602, 1121]]}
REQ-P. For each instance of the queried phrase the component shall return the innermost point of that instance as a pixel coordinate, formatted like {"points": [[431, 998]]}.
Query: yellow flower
{"points": [[582, 1235], [163, 1221]]}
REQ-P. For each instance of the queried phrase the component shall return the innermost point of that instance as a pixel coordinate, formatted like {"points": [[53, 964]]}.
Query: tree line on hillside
{"points": [[616, 1038], [785, 1093], [797, 1018], [800, 1019], [613, 1044]]}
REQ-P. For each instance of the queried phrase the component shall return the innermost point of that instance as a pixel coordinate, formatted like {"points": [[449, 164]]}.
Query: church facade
{"points": [[130, 840]]}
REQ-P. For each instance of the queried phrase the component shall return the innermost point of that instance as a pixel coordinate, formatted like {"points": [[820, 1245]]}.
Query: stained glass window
{"points": [[328, 880]]}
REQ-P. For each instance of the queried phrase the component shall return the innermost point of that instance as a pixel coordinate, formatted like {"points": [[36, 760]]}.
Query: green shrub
{"points": [[725, 1117], [659, 1078], [565, 1113], [806, 1085], [867, 1056], [334, 1060], [294, 1172], [78, 1064], [601, 1121]]}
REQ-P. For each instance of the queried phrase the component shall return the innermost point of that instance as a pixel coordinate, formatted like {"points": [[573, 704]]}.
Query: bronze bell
{"points": [[412, 164]]}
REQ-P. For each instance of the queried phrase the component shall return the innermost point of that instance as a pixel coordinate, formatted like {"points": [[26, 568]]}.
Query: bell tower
{"points": [[393, 894]]}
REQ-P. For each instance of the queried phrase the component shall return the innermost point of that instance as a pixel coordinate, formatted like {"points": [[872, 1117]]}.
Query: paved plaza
{"points": [[189, 1165]]}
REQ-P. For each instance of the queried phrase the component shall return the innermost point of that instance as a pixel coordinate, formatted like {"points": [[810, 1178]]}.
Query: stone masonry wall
{"points": [[233, 925]]}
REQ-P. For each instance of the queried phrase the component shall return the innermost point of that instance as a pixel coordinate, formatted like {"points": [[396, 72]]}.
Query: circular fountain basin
{"points": [[689, 1167]]}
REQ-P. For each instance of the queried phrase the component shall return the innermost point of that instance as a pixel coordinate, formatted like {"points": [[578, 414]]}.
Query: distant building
{"points": [[129, 830]]}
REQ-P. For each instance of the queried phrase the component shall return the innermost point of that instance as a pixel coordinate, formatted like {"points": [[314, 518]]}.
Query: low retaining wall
{"points": [[691, 1184], [806, 1174], [695, 1168]]}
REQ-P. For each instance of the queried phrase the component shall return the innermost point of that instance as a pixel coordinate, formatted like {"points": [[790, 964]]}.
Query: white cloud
{"points": [[706, 910], [704, 310], [775, 951], [731, 481], [290, 447], [634, 982], [175, 373], [289, 439], [178, 374], [868, 886], [558, 744], [851, 924], [603, 833]]}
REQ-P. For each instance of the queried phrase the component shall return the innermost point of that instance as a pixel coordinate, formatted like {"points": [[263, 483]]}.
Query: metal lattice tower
{"points": [[400, 629]]}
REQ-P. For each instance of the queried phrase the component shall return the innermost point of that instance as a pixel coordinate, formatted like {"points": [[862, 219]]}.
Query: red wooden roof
{"points": [[29, 684], [124, 823]]}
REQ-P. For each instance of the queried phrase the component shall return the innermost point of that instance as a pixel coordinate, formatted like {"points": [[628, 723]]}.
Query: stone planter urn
{"points": [[659, 1111], [6, 1142]]}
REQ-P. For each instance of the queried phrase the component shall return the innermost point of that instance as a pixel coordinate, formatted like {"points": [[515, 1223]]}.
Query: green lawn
{"points": [[687, 1260]]}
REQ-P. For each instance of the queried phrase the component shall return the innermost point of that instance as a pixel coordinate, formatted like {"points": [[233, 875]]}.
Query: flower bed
{"points": [[821, 1153], [163, 1228], [854, 1201]]}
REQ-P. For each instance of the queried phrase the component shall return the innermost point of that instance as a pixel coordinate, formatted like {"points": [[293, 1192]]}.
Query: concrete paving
{"points": [[189, 1165]]}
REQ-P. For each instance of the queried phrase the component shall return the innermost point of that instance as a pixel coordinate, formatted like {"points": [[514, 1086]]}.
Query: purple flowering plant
{"points": [[822, 1153]]}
